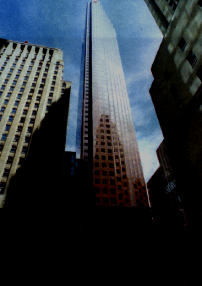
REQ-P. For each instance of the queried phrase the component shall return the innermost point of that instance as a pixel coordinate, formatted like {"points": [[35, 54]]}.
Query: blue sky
{"points": [[60, 24]]}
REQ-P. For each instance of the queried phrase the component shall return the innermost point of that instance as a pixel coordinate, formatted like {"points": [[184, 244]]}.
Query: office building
{"points": [[108, 135], [177, 96], [162, 11], [34, 103]]}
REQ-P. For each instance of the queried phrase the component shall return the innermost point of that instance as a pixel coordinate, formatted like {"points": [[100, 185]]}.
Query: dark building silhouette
{"points": [[176, 94]]}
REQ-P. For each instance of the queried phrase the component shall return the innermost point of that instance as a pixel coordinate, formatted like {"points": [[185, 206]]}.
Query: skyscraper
{"points": [[108, 135], [177, 96], [31, 87]]}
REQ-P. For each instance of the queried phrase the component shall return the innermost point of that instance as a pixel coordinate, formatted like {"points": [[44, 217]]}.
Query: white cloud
{"points": [[147, 148]]}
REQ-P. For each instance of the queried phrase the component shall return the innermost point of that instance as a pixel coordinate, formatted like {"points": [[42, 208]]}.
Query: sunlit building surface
{"points": [[31, 80], [109, 139], [177, 95]]}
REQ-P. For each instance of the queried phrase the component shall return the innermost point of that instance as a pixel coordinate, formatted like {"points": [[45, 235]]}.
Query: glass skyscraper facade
{"points": [[108, 134]]}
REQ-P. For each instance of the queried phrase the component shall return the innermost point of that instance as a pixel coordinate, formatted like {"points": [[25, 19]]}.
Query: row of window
{"points": [[111, 173], [112, 200], [9, 162], [111, 191], [110, 165], [191, 57], [110, 158], [111, 181]]}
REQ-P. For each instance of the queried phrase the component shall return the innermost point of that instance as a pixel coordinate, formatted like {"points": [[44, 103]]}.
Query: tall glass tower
{"points": [[108, 140]]}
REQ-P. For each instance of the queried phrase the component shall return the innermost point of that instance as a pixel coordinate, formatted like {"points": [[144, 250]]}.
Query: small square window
{"points": [[29, 129], [97, 172], [112, 182], [192, 59], [104, 181], [17, 138], [4, 137], [27, 139], [24, 149], [19, 129], [104, 173], [2, 109], [10, 160], [22, 119], [7, 128], [182, 44], [6, 172], [10, 119]]}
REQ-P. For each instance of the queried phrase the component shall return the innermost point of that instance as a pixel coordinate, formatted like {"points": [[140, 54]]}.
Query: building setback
{"points": [[108, 135], [177, 96], [31, 91]]}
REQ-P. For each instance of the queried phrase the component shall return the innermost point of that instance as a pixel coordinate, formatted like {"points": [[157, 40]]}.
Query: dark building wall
{"points": [[177, 97], [36, 185], [162, 11], [156, 189]]}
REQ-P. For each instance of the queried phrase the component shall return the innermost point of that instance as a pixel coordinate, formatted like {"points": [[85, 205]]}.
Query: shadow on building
{"points": [[36, 202]]}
